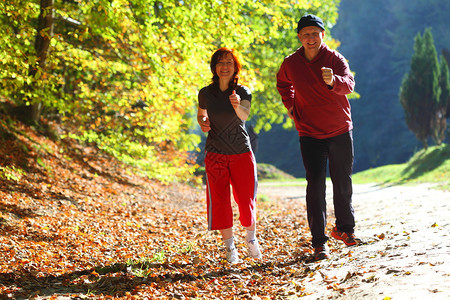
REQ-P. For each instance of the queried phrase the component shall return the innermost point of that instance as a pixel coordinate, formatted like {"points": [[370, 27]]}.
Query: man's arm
{"points": [[285, 87], [343, 80]]}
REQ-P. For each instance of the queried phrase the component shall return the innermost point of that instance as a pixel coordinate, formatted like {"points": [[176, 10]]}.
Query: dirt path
{"points": [[406, 253]]}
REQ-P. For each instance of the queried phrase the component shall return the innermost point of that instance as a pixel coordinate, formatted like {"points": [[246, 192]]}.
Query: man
{"points": [[313, 83]]}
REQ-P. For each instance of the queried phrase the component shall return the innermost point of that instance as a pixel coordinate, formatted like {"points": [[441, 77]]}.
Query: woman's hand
{"points": [[203, 120], [235, 100], [204, 124]]}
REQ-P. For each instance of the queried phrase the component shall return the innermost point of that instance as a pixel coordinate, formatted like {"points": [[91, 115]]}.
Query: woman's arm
{"points": [[241, 107], [243, 110]]}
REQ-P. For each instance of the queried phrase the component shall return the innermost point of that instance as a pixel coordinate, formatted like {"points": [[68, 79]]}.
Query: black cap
{"points": [[310, 20]]}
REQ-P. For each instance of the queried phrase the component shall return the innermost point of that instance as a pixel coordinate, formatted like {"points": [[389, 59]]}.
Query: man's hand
{"points": [[327, 75], [291, 112]]}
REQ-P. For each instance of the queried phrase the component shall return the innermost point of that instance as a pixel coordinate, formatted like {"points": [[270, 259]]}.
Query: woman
{"points": [[223, 107]]}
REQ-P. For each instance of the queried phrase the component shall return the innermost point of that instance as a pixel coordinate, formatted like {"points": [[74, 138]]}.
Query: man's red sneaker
{"points": [[321, 252], [348, 238]]}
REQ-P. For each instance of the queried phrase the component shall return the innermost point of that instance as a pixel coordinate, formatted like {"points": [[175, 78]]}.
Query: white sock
{"points": [[229, 244], [251, 235]]}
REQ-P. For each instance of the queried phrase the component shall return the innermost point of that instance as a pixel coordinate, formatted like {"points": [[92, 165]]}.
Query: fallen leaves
{"points": [[81, 227], [88, 228]]}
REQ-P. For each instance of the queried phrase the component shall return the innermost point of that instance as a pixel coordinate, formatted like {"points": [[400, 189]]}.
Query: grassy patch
{"points": [[269, 172], [283, 182], [426, 166]]}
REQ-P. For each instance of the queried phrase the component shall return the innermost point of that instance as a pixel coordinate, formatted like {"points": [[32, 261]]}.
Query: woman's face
{"points": [[225, 67]]}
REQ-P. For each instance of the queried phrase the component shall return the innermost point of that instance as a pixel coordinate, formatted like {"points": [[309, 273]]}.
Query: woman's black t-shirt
{"points": [[228, 134]]}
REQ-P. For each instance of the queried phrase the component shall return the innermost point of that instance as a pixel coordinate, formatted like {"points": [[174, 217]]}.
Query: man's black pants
{"points": [[338, 151]]}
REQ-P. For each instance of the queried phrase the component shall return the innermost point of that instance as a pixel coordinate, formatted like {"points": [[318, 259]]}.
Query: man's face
{"points": [[311, 37]]}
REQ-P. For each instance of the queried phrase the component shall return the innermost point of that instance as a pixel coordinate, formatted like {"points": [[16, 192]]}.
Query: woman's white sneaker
{"points": [[253, 248], [233, 256]]}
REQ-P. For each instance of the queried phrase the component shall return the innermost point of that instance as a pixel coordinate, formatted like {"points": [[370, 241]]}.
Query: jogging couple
{"points": [[313, 83]]}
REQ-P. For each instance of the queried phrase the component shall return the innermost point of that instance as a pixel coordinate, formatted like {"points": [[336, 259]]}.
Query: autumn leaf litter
{"points": [[80, 225]]}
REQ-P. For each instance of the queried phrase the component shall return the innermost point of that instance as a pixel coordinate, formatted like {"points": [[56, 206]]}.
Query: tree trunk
{"points": [[45, 31], [41, 45]]}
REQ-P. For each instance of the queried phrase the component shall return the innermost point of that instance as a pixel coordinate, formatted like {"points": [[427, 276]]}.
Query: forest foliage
{"points": [[124, 75], [425, 91], [377, 38]]}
